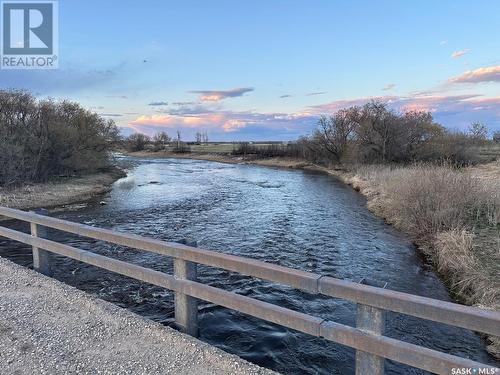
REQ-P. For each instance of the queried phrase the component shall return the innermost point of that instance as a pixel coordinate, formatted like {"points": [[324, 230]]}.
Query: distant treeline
{"points": [[160, 141], [44, 138], [374, 133]]}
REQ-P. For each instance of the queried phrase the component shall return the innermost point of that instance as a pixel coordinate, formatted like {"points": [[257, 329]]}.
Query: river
{"points": [[297, 219]]}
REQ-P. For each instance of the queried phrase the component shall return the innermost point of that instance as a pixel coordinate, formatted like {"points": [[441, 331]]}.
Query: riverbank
{"points": [[48, 327], [60, 191], [225, 158], [451, 215]]}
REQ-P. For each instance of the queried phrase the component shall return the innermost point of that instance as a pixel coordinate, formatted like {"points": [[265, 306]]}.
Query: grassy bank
{"points": [[59, 192], [227, 158], [452, 215]]}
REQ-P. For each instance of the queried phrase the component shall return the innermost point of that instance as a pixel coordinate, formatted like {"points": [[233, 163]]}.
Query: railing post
{"points": [[372, 320], [41, 258], [186, 307]]}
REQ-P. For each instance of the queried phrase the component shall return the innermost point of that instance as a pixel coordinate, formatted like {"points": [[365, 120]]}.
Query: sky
{"points": [[267, 69]]}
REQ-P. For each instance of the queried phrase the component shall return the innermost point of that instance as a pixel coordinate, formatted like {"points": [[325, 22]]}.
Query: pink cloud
{"points": [[458, 54], [454, 111], [431, 103], [334, 106], [218, 95], [226, 121], [167, 121], [487, 74], [232, 125]]}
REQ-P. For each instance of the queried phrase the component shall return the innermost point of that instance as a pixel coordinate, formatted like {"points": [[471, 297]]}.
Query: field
{"points": [[220, 148], [489, 152]]}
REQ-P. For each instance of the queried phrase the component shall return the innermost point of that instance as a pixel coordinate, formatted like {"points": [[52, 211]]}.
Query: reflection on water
{"points": [[296, 219]]}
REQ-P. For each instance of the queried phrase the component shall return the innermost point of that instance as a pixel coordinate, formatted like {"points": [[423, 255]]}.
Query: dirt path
{"points": [[47, 327]]}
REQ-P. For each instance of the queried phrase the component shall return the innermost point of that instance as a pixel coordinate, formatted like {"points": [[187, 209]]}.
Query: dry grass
{"points": [[60, 193], [425, 200], [454, 258], [454, 217]]}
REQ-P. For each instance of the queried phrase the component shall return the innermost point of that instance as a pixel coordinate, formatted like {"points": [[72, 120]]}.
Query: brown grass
{"points": [[454, 217], [61, 192]]}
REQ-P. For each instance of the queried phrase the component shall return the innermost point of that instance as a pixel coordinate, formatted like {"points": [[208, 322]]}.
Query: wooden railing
{"points": [[372, 347]]}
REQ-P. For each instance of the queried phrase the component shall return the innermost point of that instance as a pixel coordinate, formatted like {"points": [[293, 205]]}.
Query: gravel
{"points": [[47, 327]]}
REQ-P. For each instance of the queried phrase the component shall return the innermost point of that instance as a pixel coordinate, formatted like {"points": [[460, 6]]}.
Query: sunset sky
{"points": [[265, 70]]}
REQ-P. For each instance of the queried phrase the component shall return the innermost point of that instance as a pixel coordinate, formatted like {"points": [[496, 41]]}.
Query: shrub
{"points": [[181, 148], [425, 200], [496, 137], [293, 150], [137, 142], [478, 132], [160, 141], [44, 138]]}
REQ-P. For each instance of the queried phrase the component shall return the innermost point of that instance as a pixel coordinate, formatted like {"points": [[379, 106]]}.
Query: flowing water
{"points": [[297, 219]]}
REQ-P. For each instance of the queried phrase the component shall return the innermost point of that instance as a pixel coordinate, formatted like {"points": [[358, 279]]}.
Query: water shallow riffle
{"points": [[297, 219]]}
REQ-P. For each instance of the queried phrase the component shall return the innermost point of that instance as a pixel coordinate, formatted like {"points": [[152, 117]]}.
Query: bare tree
{"points": [[336, 131], [160, 141], [496, 137], [374, 133], [178, 138], [478, 131], [137, 142], [199, 137]]}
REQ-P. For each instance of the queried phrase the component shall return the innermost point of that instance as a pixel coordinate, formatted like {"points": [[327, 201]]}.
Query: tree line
{"points": [[44, 138], [158, 142], [374, 133]]}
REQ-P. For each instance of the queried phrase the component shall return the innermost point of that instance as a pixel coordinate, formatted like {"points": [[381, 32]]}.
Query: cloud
{"points": [[389, 86], [285, 96], [183, 103], [334, 106], [110, 114], [458, 54], [227, 125], [68, 79], [316, 93], [218, 95], [452, 111], [170, 121], [431, 103], [443, 42], [187, 110], [155, 104], [487, 74]]}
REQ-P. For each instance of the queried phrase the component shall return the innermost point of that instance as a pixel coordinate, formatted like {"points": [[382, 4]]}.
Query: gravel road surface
{"points": [[47, 327]]}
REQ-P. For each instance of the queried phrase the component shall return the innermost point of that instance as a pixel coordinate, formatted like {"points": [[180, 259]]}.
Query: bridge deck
{"points": [[47, 327]]}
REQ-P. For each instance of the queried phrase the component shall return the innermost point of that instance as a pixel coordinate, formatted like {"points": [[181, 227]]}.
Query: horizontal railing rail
{"points": [[372, 347]]}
